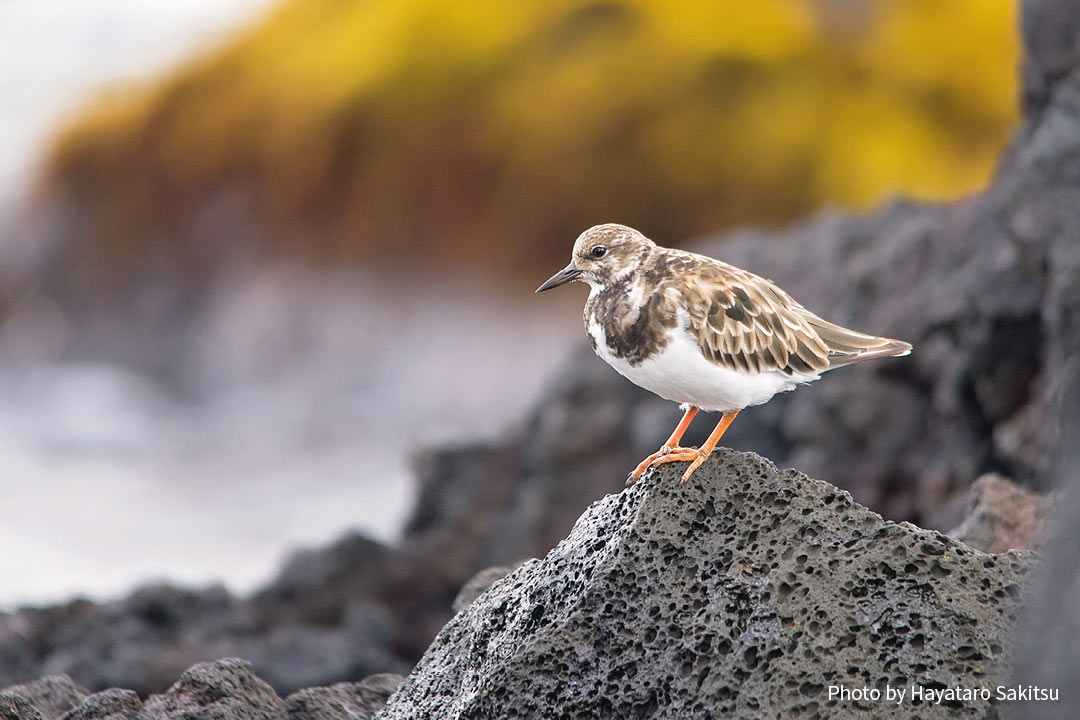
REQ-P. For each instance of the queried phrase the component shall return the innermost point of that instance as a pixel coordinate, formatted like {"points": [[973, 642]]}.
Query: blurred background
{"points": [[254, 255]]}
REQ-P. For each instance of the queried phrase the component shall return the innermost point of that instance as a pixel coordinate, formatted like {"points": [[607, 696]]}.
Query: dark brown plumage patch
{"points": [[632, 334], [735, 312]]}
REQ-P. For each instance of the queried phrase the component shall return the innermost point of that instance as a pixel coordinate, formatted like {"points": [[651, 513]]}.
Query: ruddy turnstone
{"points": [[700, 332]]}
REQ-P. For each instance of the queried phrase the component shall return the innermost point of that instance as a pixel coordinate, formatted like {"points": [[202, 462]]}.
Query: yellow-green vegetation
{"points": [[494, 130]]}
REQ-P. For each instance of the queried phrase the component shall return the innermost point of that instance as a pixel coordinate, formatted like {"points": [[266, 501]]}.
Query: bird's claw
{"points": [[661, 456]]}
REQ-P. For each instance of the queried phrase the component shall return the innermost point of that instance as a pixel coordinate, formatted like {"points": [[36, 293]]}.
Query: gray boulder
{"points": [[111, 704], [16, 707], [747, 592], [221, 690], [225, 689], [122, 643], [301, 630], [344, 701], [1002, 516], [52, 695]]}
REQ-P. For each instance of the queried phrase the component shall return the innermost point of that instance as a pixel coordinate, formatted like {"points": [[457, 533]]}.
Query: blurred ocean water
{"points": [[311, 393]]}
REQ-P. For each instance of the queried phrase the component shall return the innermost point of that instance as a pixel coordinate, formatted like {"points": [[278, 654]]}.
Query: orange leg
{"points": [[696, 457], [670, 445]]}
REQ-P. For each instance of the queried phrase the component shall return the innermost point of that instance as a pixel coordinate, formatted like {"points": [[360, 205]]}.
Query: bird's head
{"points": [[603, 254]]}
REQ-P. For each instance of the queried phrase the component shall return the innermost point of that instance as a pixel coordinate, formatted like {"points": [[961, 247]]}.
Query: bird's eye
{"points": [[599, 251]]}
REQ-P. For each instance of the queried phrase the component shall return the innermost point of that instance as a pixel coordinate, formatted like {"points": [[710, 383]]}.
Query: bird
{"points": [[700, 332]]}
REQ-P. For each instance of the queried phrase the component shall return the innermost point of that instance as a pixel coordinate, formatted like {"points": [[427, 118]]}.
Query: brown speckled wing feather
{"points": [[745, 323]]}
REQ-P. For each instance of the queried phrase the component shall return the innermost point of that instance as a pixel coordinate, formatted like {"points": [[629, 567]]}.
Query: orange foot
{"points": [[693, 456], [655, 457]]}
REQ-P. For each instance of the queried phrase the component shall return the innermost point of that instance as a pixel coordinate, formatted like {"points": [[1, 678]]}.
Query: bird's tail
{"points": [[848, 346]]}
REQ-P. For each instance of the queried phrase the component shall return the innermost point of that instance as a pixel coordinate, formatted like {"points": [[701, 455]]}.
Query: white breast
{"points": [[682, 374]]}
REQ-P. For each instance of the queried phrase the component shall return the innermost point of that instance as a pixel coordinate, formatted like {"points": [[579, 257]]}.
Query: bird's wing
{"points": [[746, 323]]}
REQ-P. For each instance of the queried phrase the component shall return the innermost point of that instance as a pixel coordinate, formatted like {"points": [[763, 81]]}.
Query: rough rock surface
{"points": [[111, 704], [16, 707], [52, 696], [1004, 516], [344, 701], [746, 592], [227, 690], [478, 584]]}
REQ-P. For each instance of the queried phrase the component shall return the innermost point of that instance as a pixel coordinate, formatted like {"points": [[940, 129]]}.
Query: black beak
{"points": [[562, 277]]}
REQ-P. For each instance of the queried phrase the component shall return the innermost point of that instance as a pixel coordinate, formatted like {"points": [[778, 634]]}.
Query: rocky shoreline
{"points": [[987, 289], [749, 590], [226, 688]]}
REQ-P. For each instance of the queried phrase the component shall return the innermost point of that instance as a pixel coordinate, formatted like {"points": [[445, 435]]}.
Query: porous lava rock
{"points": [[746, 592]]}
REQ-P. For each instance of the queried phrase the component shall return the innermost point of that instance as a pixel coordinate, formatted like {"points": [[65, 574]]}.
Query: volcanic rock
{"points": [[746, 592]]}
